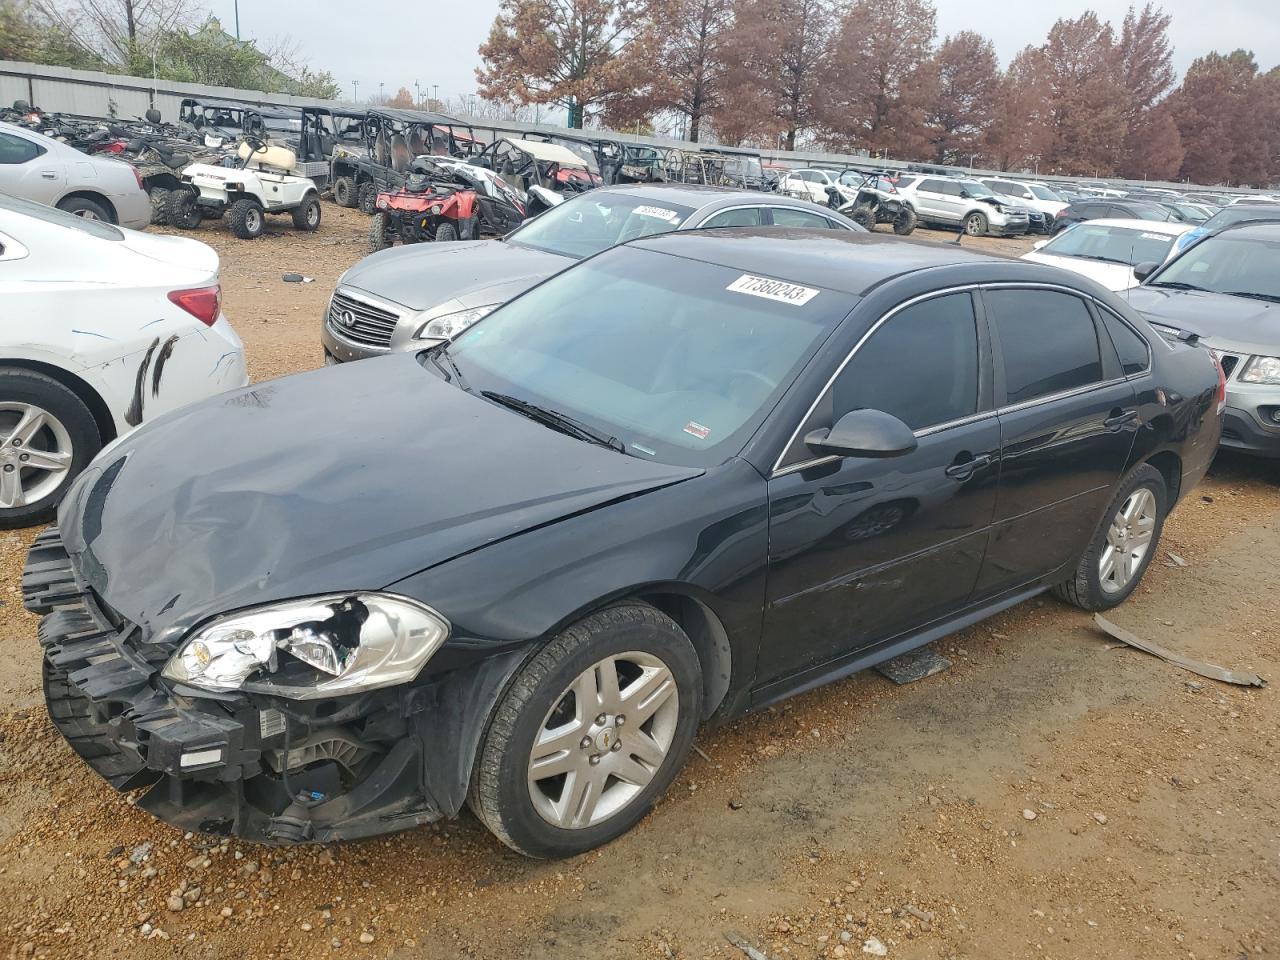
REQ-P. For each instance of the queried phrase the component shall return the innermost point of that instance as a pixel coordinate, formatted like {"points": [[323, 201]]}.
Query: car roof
{"points": [[1146, 226], [835, 259], [550, 152], [699, 196], [1252, 230]]}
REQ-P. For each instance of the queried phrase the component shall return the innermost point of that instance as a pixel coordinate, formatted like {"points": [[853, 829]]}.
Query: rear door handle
{"points": [[1118, 420], [963, 471], [49, 174]]}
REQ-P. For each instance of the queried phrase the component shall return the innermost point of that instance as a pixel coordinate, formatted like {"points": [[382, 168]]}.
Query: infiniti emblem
{"points": [[347, 318]]}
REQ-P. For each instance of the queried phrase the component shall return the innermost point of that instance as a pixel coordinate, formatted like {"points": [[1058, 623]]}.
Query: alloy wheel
{"points": [[604, 740], [35, 454], [1128, 540], [87, 215]]}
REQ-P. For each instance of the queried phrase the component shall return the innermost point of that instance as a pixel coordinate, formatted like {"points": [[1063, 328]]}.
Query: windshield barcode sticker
{"points": [[779, 290], [662, 213]]}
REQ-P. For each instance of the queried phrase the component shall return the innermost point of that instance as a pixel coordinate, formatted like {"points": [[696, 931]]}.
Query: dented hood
{"points": [[352, 477], [477, 272]]}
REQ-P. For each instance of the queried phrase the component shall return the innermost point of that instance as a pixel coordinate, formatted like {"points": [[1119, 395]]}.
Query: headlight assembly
{"points": [[451, 324], [1261, 370], [312, 648]]}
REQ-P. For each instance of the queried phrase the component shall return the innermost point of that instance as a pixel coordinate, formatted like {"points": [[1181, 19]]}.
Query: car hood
{"points": [[1113, 276], [351, 477], [1230, 323], [420, 276]]}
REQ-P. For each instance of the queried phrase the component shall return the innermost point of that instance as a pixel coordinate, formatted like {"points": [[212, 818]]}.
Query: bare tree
{"points": [[120, 32]]}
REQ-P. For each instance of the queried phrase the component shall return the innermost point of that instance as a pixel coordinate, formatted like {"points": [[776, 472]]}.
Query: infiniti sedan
{"points": [[408, 297], [682, 480]]}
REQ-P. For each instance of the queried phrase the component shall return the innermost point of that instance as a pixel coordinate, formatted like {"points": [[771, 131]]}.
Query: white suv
{"points": [[1038, 196], [969, 204]]}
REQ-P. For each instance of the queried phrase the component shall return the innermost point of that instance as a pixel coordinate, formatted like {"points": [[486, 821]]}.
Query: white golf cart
{"points": [[267, 181]]}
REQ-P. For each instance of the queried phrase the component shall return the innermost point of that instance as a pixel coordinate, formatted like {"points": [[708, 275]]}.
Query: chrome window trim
{"points": [[1060, 395], [932, 295]]}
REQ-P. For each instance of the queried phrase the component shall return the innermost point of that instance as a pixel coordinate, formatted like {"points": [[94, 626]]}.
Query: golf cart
{"points": [[266, 181], [392, 138], [432, 205]]}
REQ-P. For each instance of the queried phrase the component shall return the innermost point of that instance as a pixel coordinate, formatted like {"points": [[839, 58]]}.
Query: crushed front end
{"points": [[265, 768]]}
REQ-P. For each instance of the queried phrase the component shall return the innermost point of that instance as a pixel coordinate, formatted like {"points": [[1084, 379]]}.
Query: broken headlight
{"points": [[317, 647], [451, 324]]}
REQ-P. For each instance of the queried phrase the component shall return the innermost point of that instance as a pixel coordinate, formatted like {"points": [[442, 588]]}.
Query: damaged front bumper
{"points": [[260, 768]]}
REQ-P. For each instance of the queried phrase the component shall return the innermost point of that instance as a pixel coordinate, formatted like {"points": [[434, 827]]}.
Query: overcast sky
{"points": [[396, 42]]}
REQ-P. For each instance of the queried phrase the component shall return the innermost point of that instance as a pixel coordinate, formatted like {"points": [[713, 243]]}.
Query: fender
{"points": [[88, 367]]}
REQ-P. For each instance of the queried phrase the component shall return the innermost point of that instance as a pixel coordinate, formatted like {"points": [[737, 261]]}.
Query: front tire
{"points": [[380, 235], [47, 436], [446, 232], [247, 219], [181, 210], [159, 197], [592, 730], [905, 223], [307, 216], [975, 225], [864, 217], [368, 197], [1123, 545]]}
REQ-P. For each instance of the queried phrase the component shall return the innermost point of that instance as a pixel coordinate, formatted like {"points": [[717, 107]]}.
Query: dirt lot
{"points": [[1049, 796]]}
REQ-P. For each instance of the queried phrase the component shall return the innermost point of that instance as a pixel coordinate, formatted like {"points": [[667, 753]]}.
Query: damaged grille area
{"points": [[361, 322]]}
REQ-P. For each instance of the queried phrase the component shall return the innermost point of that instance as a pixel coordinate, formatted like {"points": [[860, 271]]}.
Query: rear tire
{"points": [[446, 232], [905, 223], [380, 235], [344, 192], [247, 219], [368, 195], [307, 216], [1115, 543], [159, 197], [67, 429], [181, 210], [89, 209], [663, 675]]}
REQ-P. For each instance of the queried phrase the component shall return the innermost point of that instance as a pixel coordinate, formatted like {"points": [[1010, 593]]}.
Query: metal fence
{"points": [[92, 93]]}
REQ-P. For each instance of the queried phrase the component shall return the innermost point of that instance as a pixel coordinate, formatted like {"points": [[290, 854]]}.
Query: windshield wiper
{"points": [[1178, 285], [1270, 297], [555, 420], [1094, 256], [442, 350]]}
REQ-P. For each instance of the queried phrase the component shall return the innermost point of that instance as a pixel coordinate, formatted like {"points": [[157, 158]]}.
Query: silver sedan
{"points": [[409, 297]]}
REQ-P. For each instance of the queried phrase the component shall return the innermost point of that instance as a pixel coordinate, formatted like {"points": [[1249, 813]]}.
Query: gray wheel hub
{"points": [[1128, 540], [35, 454]]}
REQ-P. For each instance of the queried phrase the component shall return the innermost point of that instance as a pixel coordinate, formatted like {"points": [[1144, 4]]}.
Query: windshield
{"points": [[743, 167], [678, 359], [1110, 244], [95, 228], [595, 221], [1245, 266], [1229, 215], [583, 150], [1044, 193]]}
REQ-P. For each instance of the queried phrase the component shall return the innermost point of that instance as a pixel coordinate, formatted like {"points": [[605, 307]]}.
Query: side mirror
{"points": [[1038, 244], [863, 433], [1144, 270]]}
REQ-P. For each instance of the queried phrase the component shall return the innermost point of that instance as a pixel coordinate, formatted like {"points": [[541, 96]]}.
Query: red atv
{"points": [[430, 206]]}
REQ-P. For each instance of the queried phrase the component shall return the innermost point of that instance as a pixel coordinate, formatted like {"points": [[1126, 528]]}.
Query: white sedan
{"points": [[1108, 250], [45, 170], [103, 328]]}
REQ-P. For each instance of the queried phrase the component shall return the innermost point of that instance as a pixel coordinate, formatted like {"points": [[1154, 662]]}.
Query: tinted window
{"points": [[743, 217], [1048, 342], [16, 150], [1133, 350], [932, 186], [1009, 189], [949, 187], [786, 217], [921, 365]]}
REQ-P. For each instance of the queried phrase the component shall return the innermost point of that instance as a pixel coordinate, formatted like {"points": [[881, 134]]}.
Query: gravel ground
{"points": [[1049, 796]]}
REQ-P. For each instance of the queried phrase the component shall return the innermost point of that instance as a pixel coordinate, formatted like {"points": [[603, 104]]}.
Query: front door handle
{"points": [[1119, 418], [965, 470]]}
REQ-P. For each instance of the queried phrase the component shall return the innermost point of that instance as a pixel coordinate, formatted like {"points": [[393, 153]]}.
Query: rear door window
{"points": [[790, 217], [15, 150], [1047, 340], [742, 217]]}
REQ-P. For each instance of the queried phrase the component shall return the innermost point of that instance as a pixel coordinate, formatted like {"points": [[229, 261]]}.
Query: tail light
{"points": [[1222, 381], [137, 176], [203, 303]]}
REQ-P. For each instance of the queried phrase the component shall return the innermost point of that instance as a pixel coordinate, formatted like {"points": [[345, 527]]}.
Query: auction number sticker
{"points": [[661, 213], [779, 290]]}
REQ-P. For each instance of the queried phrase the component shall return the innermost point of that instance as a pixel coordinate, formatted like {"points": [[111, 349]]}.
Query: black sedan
{"points": [[680, 481], [1101, 208]]}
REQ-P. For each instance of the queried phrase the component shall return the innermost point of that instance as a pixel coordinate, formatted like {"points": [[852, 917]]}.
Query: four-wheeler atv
{"points": [[265, 182], [430, 206], [877, 201]]}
